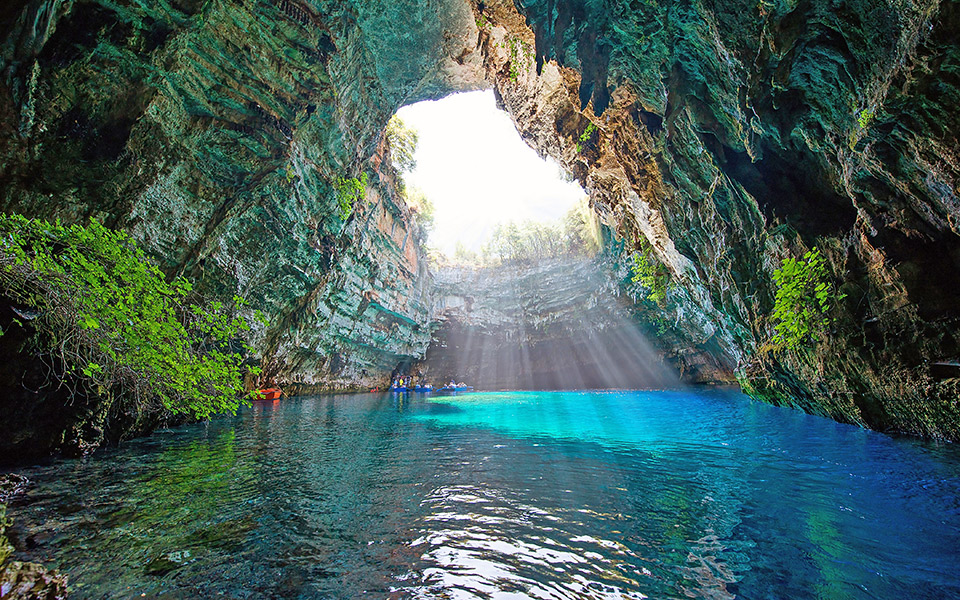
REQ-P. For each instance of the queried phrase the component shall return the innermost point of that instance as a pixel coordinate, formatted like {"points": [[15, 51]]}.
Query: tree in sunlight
{"points": [[530, 242], [422, 207], [403, 144], [581, 229]]}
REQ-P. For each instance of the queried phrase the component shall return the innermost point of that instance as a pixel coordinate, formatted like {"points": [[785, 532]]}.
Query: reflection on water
{"points": [[507, 495]]}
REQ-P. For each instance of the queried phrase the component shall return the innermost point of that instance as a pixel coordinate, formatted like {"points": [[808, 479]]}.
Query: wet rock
{"points": [[12, 484], [20, 580], [30, 581], [726, 136]]}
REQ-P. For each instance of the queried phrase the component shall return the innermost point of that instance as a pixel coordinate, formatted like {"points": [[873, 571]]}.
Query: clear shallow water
{"points": [[505, 495]]}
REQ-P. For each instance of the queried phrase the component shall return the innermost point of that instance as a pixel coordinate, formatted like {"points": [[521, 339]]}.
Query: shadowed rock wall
{"points": [[731, 135], [561, 324], [214, 131]]}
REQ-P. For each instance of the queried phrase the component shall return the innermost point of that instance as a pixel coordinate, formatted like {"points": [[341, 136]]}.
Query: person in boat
{"points": [[452, 383]]}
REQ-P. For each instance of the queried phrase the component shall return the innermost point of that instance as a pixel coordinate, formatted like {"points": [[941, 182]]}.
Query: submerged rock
{"points": [[30, 581], [21, 580]]}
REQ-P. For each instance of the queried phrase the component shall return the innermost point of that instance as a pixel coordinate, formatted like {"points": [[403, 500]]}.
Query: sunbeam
{"points": [[554, 326]]}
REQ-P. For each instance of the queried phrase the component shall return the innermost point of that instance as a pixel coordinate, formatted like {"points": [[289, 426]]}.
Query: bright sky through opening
{"points": [[473, 166]]}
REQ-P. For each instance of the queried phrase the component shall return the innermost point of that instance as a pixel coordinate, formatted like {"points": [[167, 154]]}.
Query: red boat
{"points": [[269, 394]]}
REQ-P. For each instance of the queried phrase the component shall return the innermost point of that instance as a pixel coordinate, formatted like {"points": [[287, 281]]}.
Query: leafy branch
{"points": [[804, 296], [111, 320], [649, 275], [350, 192], [585, 137]]}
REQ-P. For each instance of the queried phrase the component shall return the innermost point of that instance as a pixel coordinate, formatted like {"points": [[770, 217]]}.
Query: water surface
{"points": [[505, 495]]}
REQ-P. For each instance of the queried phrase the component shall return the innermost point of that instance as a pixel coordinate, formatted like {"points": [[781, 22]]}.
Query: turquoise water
{"points": [[504, 495]]}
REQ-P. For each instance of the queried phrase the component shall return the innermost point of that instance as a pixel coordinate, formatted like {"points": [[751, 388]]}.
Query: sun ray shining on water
{"points": [[556, 325], [527, 308]]}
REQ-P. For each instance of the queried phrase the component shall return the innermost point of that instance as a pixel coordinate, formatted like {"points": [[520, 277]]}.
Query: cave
{"points": [[732, 154]]}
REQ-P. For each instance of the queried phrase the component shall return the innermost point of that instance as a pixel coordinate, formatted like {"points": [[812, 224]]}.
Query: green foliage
{"points": [[864, 119], [521, 57], [350, 191], [803, 298], [421, 206], [403, 144], [651, 276], [463, 256], [585, 137], [482, 21], [578, 233], [114, 322], [581, 229]]}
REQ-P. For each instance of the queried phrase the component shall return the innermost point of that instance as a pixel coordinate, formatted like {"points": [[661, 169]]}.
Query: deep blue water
{"points": [[505, 495]]}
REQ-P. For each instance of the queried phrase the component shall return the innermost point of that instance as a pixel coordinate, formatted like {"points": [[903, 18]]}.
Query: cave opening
{"points": [[524, 299], [471, 164]]}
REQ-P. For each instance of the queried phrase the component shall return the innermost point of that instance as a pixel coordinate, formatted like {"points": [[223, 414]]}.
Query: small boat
{"points": [[401, 389], [269, 394], [423, 388], [456, 388]]}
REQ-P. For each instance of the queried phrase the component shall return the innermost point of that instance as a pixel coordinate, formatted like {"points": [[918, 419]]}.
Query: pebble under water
{"points": [[504, 495]]}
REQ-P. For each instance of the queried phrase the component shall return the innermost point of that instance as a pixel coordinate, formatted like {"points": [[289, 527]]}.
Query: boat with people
{"points": [[407, 384], [401, 385], [454, 386]]}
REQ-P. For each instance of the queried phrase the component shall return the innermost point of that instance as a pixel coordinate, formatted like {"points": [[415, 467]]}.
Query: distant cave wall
{"points": [[729, 135], [214, 132], [555, 324]]}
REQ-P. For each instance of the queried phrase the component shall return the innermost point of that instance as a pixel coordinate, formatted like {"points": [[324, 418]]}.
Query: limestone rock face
{"points": [[719, 136], [730, 135], [561, 324], [215, 132]]}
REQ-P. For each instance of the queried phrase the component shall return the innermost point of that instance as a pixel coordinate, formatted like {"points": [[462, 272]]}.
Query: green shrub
{"points": [[585, 137], [530, 242], [403, 141], [645, 272], [521, 57], [350, 191], [115, 324], [421, 206], [804, 297]]}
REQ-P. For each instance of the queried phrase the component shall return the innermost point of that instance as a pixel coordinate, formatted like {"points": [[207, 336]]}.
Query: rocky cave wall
{"points": [[557, 324], [214, 132], [729, 135]]}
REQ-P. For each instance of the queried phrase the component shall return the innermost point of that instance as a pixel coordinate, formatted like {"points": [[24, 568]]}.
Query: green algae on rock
{"points": [[730, 135]]}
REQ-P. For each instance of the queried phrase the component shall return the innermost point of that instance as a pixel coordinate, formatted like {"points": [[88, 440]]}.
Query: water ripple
{"points": [[549, 496]]}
